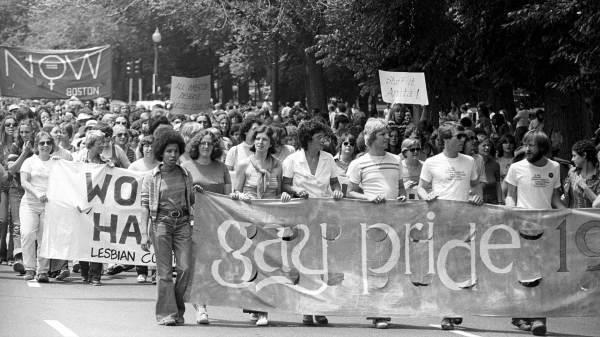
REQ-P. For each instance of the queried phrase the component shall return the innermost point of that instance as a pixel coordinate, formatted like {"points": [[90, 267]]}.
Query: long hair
{"points": [[192, 145]]}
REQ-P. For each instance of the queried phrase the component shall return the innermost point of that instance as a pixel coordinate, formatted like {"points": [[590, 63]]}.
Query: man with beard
{"points": [[533, 183]]}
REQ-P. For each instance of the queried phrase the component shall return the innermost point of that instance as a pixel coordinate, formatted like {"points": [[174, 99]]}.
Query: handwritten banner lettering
{"points": [[348, 257], [28, 73], [93, 214], [402, 87], [190, 95]]}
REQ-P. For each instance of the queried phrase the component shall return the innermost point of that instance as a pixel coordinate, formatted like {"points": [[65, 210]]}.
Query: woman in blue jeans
{"points": [[167, 199]]}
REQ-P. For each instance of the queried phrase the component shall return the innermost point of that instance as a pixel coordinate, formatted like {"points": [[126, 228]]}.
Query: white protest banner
{"points": [[401, 87], [190, 95], [93, 214]]}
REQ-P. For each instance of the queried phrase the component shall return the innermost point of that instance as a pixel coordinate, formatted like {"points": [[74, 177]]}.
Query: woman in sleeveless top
{"points": [[259, 177]]}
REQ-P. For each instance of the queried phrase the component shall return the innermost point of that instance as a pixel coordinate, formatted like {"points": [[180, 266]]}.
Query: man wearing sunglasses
{"points": [[450, 175]]}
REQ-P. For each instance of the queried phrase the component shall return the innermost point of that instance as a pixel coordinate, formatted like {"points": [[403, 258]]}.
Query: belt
{"points": [[174, 213]]}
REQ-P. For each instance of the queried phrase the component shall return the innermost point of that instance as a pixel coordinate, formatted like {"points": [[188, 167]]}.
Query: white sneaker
{"points": [[253, 316], [141, 278], [262, 320], [201, 318]]}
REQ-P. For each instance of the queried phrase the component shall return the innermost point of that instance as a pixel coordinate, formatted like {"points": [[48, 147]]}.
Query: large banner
{"points": [[190, 95], [320, 256], [402, 87], [93, 214], [28, 73]]}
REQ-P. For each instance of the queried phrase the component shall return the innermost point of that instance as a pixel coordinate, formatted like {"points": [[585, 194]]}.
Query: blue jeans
{"points": [[172, 236]]}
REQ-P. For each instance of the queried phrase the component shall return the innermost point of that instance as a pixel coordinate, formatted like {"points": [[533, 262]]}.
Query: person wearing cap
{"points": [[376, 176]]}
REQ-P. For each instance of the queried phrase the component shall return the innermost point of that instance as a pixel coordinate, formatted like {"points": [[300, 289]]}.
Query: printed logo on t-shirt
{"points": [[551, 175], [453, 174], [539, 181]]}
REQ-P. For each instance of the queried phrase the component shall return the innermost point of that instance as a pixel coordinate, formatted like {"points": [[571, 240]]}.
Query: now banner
{"points": [[440, 258], [93, 214], [29, 73]]}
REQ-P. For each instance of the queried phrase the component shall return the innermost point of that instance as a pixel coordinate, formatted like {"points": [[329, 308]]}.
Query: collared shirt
{"points": [[151, 190], [574, 196], [296, 167]]}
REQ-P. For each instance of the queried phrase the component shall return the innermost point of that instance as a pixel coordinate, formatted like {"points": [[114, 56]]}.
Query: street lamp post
{"points": [[156, 38]]}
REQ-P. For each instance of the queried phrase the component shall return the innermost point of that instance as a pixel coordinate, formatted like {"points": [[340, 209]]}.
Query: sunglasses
{"points": [[122, 123], [415, 149], [10, 125], [460, 136], [42, 143], [348, 143]]}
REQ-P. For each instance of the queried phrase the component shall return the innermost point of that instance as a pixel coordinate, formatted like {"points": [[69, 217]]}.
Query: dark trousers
{"points": [[91, 270]]}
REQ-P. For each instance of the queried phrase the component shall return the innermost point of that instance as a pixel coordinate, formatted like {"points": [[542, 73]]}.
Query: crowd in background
{"points": [[251, 152]]}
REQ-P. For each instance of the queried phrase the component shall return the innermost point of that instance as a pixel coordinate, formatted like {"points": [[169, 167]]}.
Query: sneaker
{"points": [[307, 320], [43, 278], [19, 267], [141, 278], [457, 320], [168, 321], [538, 327], [63, 275], [201, 318], [11, 262], [114, 270], [521, 323], [29, 275], [253, 316], [76, 268], [321, 319], [96, 283], [447, 324], [262, 319], [381, 324]]}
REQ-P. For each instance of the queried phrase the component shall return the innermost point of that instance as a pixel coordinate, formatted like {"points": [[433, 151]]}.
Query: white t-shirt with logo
{"points": [[450, 178], [535, 184]]}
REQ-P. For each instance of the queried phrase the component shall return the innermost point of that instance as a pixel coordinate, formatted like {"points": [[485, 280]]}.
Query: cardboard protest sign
{"points": [[29, 73], [349, 257], [93, 214], [190, 95], [402, 87]]}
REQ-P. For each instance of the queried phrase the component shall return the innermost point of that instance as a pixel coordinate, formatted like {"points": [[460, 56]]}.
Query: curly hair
{"points": [[146, 140], [193, 145], [167, 137], [269, 132], [586, 149], [308, 129]]}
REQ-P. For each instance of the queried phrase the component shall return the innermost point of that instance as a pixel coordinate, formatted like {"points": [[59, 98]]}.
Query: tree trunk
{"points": [[315, 89], [275, 82], [243, 92], [565, 115]]}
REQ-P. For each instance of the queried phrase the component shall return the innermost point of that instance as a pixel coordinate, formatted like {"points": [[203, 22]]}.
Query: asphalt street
{"points": [[122, 307]]}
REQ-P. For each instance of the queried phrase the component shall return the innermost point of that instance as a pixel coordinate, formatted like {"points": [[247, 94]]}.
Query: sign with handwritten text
{"points": [[190, 95], [404, 88]]}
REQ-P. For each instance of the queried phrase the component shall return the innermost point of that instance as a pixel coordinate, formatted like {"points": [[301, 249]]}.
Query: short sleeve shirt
{"points": [[296, 167], [450, 178], [535, 185], [376, 174]]}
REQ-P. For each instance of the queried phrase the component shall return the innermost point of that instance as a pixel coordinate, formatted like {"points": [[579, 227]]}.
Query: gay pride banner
{"points": [[320, 256]]}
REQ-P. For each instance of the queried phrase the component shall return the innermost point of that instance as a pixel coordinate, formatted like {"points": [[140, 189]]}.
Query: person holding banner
{"points": [[378, 174], [34, 179], [534, 183], [259, 177], [582, 184], [7, 137], [167, 198], [145, 164], [208, 174], [450, 175], [311, 172]]}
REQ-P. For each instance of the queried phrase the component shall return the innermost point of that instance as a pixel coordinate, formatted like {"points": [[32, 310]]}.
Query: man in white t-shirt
{"points": [[450, 175], [533, 183]]}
